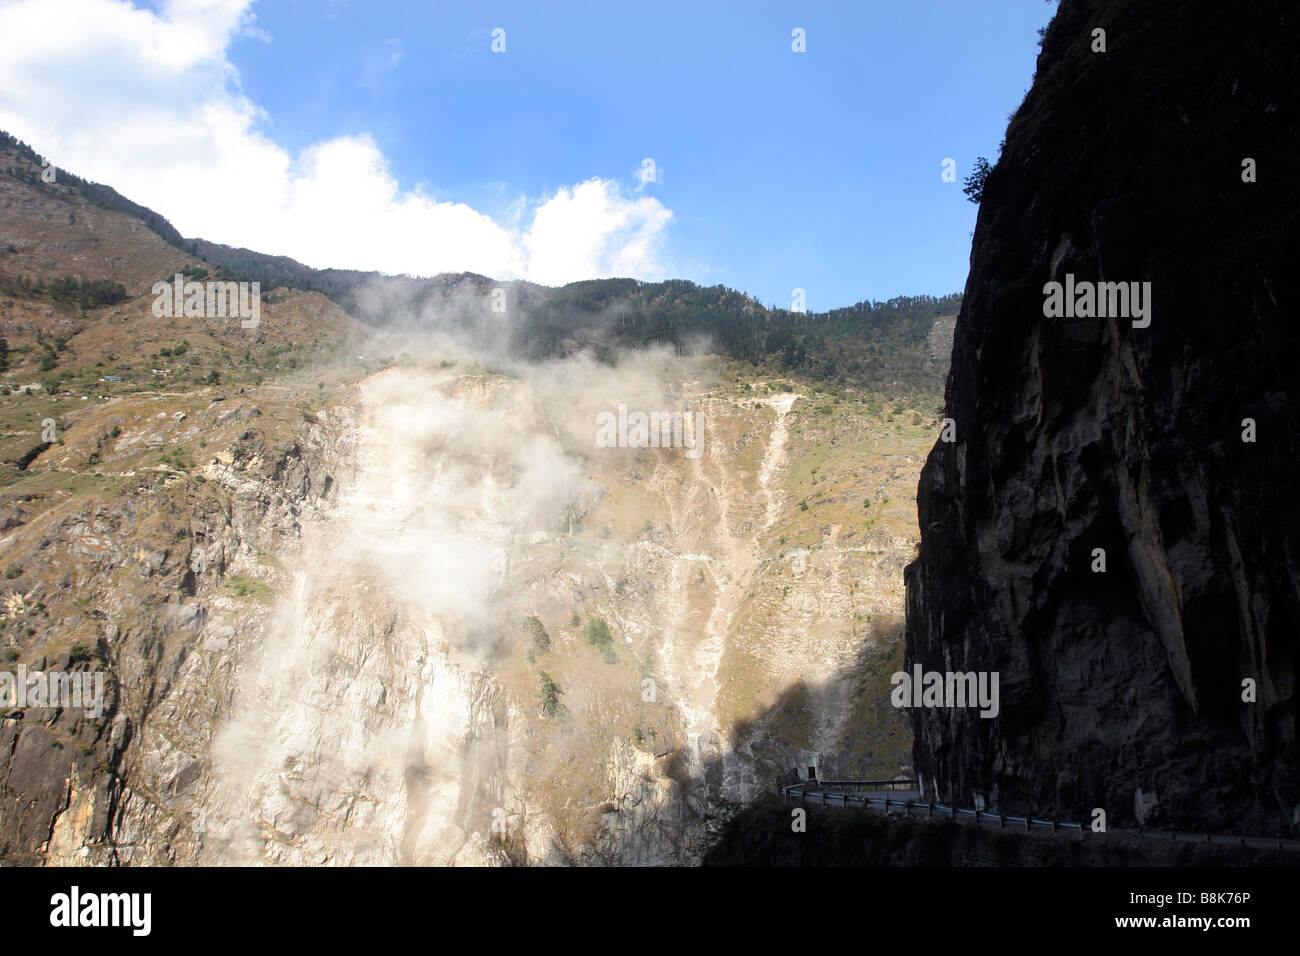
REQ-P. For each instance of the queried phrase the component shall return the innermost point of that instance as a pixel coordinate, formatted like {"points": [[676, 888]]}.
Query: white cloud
{"points": [[591, 230], [150, 104]]}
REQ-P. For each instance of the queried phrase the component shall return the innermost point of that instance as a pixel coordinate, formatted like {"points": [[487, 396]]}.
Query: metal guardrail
{"points": [[863, 784], [813, 792]]}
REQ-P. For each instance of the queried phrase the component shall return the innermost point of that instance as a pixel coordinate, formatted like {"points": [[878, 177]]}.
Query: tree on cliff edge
{"points": [[974, 184]]}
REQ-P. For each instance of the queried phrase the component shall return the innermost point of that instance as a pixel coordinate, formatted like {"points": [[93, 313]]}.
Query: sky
{"points": [[551, 142]]}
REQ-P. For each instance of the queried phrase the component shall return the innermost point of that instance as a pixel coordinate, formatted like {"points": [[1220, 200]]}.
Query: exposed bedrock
{"points": [[1086, 433]]}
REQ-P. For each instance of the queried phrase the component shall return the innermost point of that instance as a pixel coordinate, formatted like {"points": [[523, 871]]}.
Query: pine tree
{"points": [[974, 185]]}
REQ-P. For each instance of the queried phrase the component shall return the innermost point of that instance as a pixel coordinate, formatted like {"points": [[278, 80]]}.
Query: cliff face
{"points": [[349, 608], [312, 623], [1078, 434]]}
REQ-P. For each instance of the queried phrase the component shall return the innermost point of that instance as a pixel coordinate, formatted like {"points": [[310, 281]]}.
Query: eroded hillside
{"points": [[317, 623], [368, 596]]}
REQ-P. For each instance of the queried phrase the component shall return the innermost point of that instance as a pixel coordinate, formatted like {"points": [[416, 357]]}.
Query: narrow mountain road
{"points": [[885, 796]]}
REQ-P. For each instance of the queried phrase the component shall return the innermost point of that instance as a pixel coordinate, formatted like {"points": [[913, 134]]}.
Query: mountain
{"points": [[364, 587], [883, 346], [1114, 530]]}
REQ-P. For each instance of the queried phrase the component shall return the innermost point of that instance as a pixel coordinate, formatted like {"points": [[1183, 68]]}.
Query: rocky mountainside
{"points": [[318, 626], [1114, 529], [367, 599]]}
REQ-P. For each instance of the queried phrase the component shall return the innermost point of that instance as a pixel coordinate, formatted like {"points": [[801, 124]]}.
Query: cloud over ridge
{"points": [[150, 104]]}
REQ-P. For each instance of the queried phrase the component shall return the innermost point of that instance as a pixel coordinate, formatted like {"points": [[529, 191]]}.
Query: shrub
{"points": [[550, 692], [541, 640], [80, 652], [240, 586], [599, 637]]}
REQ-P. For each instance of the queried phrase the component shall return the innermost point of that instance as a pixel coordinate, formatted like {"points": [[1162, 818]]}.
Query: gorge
{"points": [[468, 571]]}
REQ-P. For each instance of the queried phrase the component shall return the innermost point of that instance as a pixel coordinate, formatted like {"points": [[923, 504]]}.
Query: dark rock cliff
{"points": [[1077, 434]]}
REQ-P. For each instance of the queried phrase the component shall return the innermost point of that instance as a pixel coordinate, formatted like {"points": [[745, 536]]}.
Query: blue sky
{"points": [[819, 170]]}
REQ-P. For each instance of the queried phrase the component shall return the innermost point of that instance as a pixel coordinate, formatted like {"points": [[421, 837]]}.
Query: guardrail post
{"points": [[977, 816], [1028, 821], [1002, 821]]}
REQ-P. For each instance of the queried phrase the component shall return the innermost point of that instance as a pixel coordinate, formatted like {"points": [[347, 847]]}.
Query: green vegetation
{"points": [[178, 458], [82, 653], [599, 637], [240, 586], [974, 184], [866, 343], [541, 640], [550, 692], [70, 291]]}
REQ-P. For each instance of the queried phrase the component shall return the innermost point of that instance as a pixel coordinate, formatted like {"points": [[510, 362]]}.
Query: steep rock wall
{"points": [[1077, 434]]}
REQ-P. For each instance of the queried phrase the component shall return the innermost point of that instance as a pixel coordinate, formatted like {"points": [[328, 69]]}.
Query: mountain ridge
{"points": [[871, 344]]}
